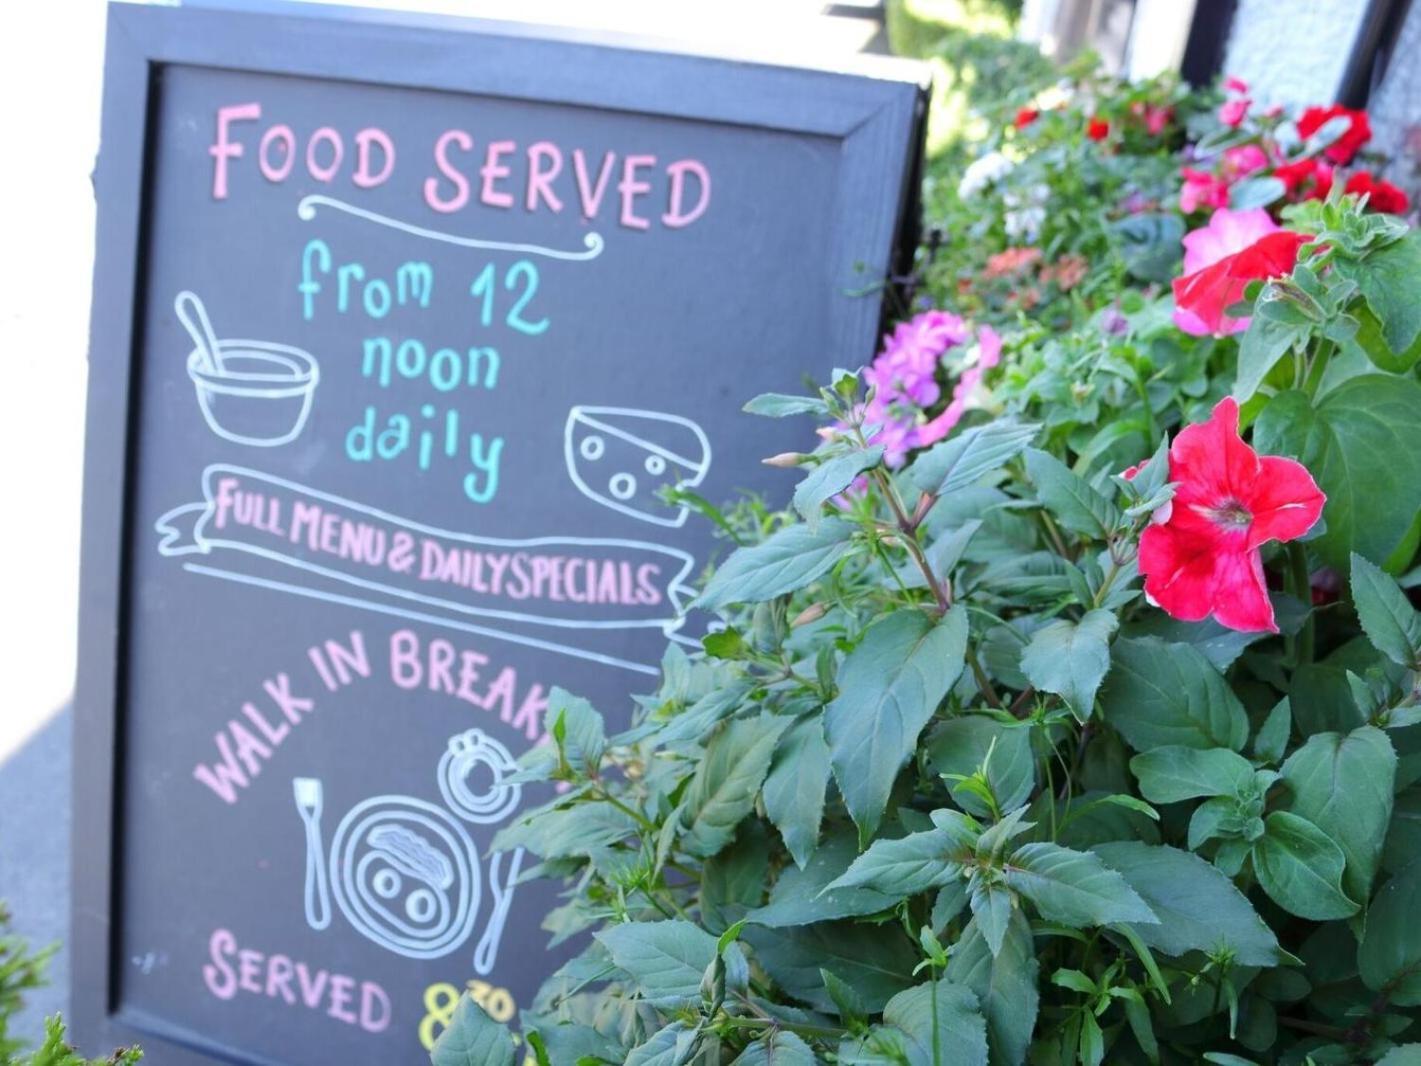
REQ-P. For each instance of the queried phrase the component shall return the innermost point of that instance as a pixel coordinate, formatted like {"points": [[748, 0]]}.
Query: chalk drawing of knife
{"points": [[487, 951], [309, 801]]}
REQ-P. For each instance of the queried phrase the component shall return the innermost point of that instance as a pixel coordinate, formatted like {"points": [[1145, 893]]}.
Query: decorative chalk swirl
{"points": [[306, 211]]}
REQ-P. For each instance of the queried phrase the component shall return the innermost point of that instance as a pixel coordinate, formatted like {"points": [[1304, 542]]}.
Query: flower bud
{"points": [[812, 613], [784, 460]]}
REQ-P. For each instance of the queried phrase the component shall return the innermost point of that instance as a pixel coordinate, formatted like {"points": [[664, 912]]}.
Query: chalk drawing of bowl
{"points": [[260, 396]]}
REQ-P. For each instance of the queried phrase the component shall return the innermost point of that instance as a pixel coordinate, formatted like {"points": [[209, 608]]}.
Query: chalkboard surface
{"points": [[400, 332]]}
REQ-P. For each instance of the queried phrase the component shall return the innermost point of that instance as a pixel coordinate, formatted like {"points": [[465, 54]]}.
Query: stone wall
{"points": [[1293, 51]]}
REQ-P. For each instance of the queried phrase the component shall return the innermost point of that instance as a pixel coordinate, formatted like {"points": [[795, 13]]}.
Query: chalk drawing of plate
{"points": [[406, 876], [260, 396]]}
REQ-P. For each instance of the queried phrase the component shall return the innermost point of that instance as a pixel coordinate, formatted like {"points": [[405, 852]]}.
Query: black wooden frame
{"points": [[877, 119]]}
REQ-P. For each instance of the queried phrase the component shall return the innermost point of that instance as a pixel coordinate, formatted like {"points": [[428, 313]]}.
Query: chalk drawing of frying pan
{"points": [[623, 457], [404, 872], [250, 392]]}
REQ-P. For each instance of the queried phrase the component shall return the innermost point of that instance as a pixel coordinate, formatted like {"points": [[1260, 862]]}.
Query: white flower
{"points": [[1025, 213], [982, 172]]}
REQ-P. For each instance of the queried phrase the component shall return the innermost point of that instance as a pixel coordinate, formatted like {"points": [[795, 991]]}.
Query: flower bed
{"points": [[1070, 715]]}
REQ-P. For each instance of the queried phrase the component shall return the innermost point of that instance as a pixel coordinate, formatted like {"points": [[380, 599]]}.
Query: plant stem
{"points": [[907, 528], [1300, 580], [1318, 367], [988, 692]]}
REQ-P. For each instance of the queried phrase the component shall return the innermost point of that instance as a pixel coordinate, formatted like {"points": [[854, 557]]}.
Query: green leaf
{"points": [[794, 789], [847, 1001], [992, 907], [474, 1039], [1160, 694], [1371, 339], [1071, 658], [577, 831], [1073, 887], [1266, 341], [960, 745], [942, 1024], [1198, 908], [1371, 505], [809, 895], [948, 904], [1402, 1055], [1005, 985], [571, 1042], [665, 959], [1390, 954], [778, 1048], [671, 1046], [908, 865], [790, 559], [1076, 505], [584, 734], [1390, 622], [830, 478], [727, 780], [889, 686], [1343, 785], [779, 405], [1387, 279], [964, 458], [733, 881], [1149, 244], [1174, 773], [1272, 738], [1300, 868], [1250, 193], [1220, 646], [875, 960]]}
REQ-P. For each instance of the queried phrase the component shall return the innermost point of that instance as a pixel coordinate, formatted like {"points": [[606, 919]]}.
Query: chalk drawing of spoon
{"points": [[309, 801], [250, 392], [486, 953]]}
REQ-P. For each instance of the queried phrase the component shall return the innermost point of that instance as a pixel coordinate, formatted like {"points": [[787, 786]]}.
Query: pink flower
{"points": [[1233, 111], [1227, 232], [989, 354], [1228, 503], [1221, 259], [904, 381], [1242, 160], [1234, 84], [1201, 190]]}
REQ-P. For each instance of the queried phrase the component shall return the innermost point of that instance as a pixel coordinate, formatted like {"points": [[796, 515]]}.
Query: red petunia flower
{"points": [[1358, 133], [1097, 129], [1201, 298], [1384, 196], [1228, 502], [1307, 179], [1026, 116]]}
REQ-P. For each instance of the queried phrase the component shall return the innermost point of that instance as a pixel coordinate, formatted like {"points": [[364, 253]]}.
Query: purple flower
{"points": [[904, 381], [1113, 323]]}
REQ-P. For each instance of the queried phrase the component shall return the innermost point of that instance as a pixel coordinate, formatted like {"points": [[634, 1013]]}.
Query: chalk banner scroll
{"points": [[566, 582]]}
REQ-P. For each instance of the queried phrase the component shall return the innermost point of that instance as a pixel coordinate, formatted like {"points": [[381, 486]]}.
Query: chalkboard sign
{"points": [[401, 330]]}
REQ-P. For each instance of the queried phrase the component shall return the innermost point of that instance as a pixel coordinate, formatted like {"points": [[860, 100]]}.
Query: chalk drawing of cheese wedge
{"points": [[623, 457]]}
